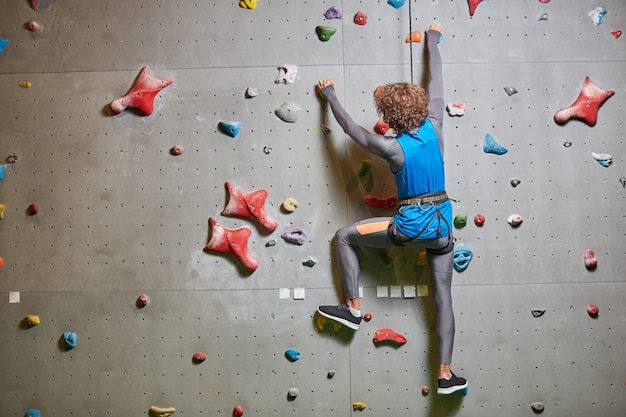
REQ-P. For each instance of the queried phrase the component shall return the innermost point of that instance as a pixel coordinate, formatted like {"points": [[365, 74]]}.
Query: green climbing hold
{"points": [[460, 220], [325, 32], [364, 168]]}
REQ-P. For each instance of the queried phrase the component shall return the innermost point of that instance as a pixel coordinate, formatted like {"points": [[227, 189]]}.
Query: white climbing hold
{"points": [[456, 109], [603, 159], [286, 74]]}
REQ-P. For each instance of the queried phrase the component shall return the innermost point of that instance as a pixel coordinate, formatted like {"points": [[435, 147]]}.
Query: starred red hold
{"points": [[142, 94], [388, 335], [250, 205], [231, 242], [586, 106], [473, 4]]}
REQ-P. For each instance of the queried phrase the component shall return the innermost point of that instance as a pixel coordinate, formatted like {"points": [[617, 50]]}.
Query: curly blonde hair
{"points": [[404, 106]]}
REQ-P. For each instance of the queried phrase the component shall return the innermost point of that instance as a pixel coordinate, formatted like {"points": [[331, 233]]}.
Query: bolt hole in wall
{"points": [[120, 214]]}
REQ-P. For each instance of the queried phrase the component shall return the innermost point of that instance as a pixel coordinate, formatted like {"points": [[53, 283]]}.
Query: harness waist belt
{"points": [[425, 199]]}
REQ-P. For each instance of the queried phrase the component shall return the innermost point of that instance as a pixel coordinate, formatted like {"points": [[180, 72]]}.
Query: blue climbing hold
{"points": [[3, 169], [70, 339], [3, 43], [33, 412], [396, 3], [462, 256], [490, 145], [292, 354], [230, 128]]}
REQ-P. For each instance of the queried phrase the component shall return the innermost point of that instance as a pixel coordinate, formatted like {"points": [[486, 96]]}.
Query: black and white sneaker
{"points": [[340, 314], [449, 386]]}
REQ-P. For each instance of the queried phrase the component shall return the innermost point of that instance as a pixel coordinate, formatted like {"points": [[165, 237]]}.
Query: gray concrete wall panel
{"points": [[119, 215]]}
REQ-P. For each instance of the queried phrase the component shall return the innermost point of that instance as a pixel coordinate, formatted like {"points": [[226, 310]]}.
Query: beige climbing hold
{"points": [[290, 204], [161, 411]]}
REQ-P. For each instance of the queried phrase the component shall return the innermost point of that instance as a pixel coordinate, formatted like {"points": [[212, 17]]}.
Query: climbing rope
{"points": [[411, 40]]}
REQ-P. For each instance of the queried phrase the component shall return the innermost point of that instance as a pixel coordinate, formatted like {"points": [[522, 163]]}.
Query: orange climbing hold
{"points": [[413, 37], [388, 335]]}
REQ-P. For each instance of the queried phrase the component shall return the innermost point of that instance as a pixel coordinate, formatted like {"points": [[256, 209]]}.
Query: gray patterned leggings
{"points": [[373, 233]]}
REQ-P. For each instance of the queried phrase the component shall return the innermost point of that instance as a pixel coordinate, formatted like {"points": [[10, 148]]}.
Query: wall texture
{"points": [[120, 215]]}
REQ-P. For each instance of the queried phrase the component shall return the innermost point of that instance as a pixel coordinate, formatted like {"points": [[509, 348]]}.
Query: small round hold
{"points": [[177, 150], [267, 149], [290, 204], [238, 411], [591, 262], [326, 129], [623, 182], [593, 310], [32, 209], [515, 220], [330, 374], [142, 300], [293, 392], [367, 316], [567, 143], [479, 220], [537, 407], [12, 158], [425, 390], [199, 357], [515, 182], [33, 26]]}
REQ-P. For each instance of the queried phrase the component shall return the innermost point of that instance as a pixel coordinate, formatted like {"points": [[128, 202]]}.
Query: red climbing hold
{"points": [[360, 19], [250, 205], [473, 4], [593, 310], [32, 209], [142, 93], [238, 411], [381, 127], [34, 4], [199, 357], [142, 300], [586, 105], [231, 242], [367, 316], [389, 335], [382, 203], [616, 33], [479, 220], [590, 260]]}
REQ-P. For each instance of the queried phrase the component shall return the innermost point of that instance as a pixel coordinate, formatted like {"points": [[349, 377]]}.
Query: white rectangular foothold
{"points": [[382, 291], [409, 291], [298, 293], [395, 291], [14, 297], [283, 293], [422, 290]]}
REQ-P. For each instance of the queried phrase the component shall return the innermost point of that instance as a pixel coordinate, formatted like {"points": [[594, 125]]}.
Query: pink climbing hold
{"points": [[388, 335], [590, 260], [249, 205], [33, 26], [473, 4], [231, 242], [360, 19], [586, 105], [382, 203], [142, 300], [616, 33], [142, 94], [34, 4], [177, 150], [199, 357], [381, 127]]}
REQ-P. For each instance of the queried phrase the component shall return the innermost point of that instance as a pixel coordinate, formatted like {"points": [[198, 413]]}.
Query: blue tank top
{"points": [[422, 173]]}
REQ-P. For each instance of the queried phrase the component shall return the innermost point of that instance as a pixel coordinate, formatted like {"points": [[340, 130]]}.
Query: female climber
{"points": [[424, 217]]}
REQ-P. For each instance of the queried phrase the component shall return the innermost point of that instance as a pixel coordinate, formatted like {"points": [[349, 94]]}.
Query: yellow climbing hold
{"points": [[25, 84], [359, 406], [32, 320], [161, 411], [290, 204], [323, 321], [2, 208], [248, 4]]}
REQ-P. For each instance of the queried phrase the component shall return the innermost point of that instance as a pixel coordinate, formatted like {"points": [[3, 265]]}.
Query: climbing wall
{"points": [[120, 215]]}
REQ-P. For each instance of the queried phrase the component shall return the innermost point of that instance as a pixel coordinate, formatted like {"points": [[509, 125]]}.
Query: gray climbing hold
{"points": [[510, 90], [251, 92], [538, 312], [544, 16], [515, 182], [490, 145], [293, 392], [288, 112], [309, 262], [537, 407], [271, 243]]}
